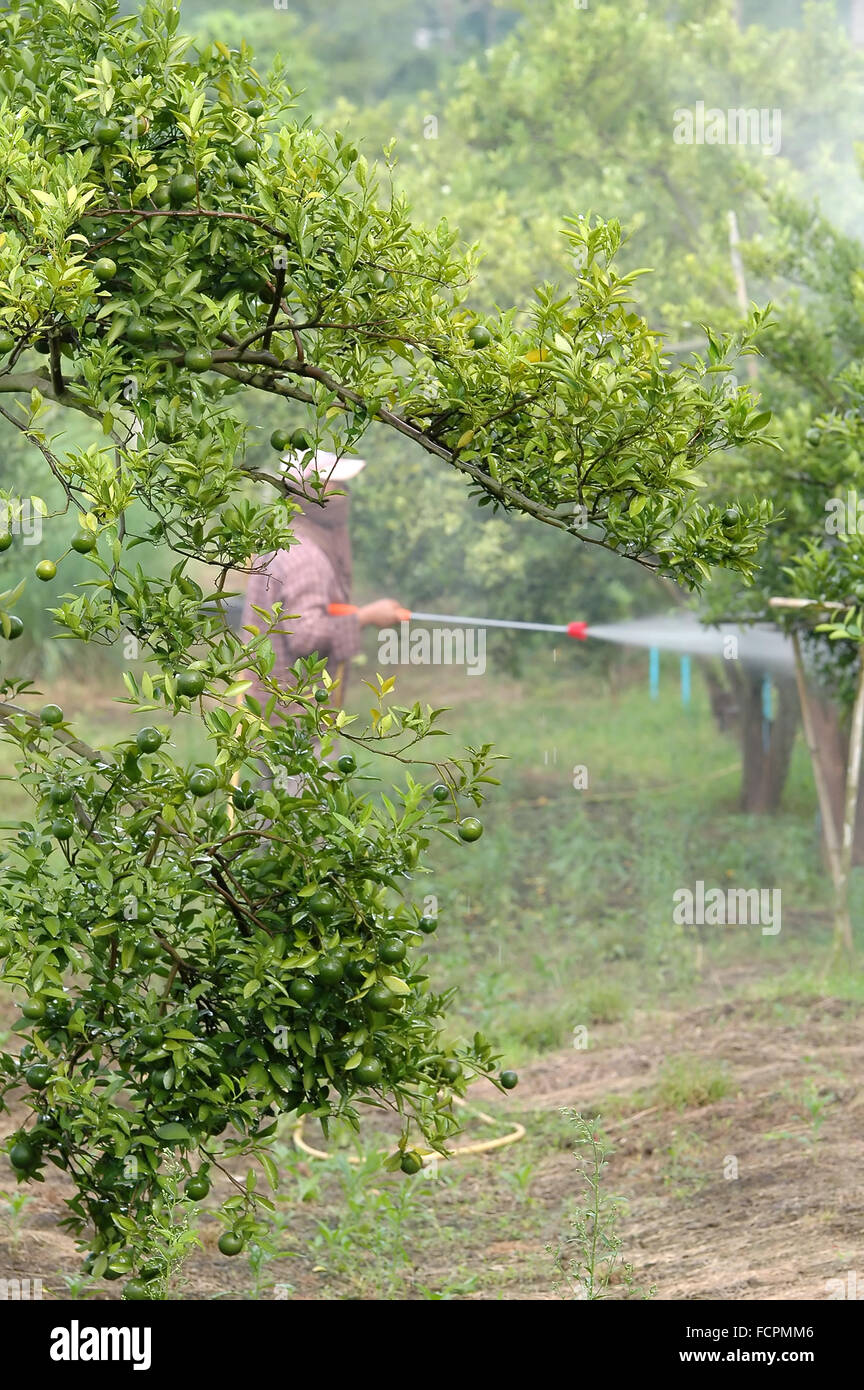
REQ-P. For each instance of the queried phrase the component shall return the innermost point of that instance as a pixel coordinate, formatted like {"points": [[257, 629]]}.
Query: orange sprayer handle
{"points": [[342, 610]]}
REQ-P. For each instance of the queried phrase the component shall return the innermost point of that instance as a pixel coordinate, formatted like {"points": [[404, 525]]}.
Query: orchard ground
{"points": [[724, 1064]]}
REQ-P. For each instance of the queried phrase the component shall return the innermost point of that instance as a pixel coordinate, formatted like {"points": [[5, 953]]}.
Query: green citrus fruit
{"points": [[508, 1080], [23, 1156], [38, 1075], [280, 440], [161, 195], [245, 150], [5, 943], [380, 998], [347, 763], [329, 970], [321, 696], [470, 829], [51, 714], [62, 828], [322, 902], [83, 544], [60, 795], [105, 269], [203, 782], [135, 1290], [33, 1009], [7, 342], [149, 950], [198, 359], [151, 1036], [428, 925], [45, 570], [243, 797], [302, 991], [411, 1162], [106, 132], [391, 950], [440, 792], [16, 627], [183, 188], [190, 683], [450, 1069], [230, 1243], [300, 441], [250, 279], [255, 108], [138, 331], [369, 1071], [237, 176], [197, 1189], [148, 739], [5, 540], [480, 336]]}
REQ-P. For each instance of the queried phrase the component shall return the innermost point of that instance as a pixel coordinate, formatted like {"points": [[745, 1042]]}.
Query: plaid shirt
{"points": [[305, 582]]}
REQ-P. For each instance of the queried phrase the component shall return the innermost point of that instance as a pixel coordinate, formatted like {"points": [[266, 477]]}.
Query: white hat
{"points": [[331, 468]]}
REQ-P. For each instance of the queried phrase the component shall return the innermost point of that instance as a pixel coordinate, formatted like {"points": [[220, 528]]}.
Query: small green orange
{"points": [[106, 132], [245, 149], [369, 1071], [198, 359], [148, 739], [46, 570], [231, 1243], [183, 188]]}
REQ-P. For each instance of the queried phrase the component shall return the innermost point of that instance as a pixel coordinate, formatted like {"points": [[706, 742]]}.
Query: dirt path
{"points": [[757, 1195]]}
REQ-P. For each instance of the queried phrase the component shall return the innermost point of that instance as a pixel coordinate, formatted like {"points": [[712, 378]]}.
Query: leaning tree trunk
{"points": [[833, 741]]}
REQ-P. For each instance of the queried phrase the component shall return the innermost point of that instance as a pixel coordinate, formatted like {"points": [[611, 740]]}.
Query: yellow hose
{"points": [[479, 1147]]}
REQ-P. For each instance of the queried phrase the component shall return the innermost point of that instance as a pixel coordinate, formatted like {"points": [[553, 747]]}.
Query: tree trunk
{"points": [[766, 746], [833, 742], [735, 694]]}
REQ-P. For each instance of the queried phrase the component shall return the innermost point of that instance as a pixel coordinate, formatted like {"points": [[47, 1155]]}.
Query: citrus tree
{"points": [[195, 954], [812, 377]]}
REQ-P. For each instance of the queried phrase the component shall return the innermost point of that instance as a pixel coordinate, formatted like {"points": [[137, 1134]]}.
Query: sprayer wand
{"points": [[577, 630]]}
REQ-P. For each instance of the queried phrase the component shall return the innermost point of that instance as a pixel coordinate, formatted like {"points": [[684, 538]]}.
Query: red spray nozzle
{"points": [[578, 630]]}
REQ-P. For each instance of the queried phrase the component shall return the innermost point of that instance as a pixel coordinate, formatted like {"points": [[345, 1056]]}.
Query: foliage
{"points": [[195, 952], [814, 379]]}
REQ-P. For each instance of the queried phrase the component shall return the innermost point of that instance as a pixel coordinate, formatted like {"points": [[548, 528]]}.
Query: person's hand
{"points": [[384, 612]]}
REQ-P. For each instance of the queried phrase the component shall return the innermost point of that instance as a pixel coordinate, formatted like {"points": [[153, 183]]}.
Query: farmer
{"points": [[312, 574]]}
